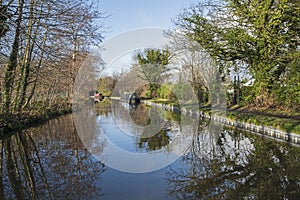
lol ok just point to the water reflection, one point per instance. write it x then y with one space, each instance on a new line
154 142
48 162
140 114
149 126
141 139
51 162
236 165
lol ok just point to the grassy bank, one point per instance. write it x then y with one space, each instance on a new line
279 119
287 124
272 118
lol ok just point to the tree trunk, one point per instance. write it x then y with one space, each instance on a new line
38 69
30 41
12 63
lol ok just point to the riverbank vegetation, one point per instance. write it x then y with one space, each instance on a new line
248 50
257 40
289 125
236 53
42 45
257 58
254 45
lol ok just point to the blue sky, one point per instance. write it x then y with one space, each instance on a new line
126 15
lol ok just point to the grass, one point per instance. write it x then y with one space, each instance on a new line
265 117
285 124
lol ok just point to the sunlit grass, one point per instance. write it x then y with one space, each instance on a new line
287 124
284 124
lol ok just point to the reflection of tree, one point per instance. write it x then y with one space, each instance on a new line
235 166
120 109
140 115
103 107
156 127
171 116
48 162
21 168
73 167
155 142
138 118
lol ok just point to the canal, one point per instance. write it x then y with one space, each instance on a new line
114 151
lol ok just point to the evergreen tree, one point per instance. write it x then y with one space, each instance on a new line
153 67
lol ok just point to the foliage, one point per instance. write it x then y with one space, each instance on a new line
106 85
260 35
182 91
165 92
153 66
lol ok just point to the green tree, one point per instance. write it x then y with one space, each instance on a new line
262 35
153 65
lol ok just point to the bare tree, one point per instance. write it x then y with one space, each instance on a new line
196 66
42 50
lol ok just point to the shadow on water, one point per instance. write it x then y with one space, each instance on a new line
48 162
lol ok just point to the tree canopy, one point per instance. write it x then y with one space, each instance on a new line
153 67
153 64
262 35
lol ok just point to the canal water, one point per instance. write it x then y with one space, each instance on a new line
118 154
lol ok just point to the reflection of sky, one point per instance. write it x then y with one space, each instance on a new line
116 135
147 186
122 151
125 138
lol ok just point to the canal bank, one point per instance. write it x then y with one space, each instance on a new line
269 131
10 124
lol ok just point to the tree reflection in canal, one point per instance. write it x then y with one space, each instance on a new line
150 126
48 162
140 114
236 165
155 142
51 162
153 127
